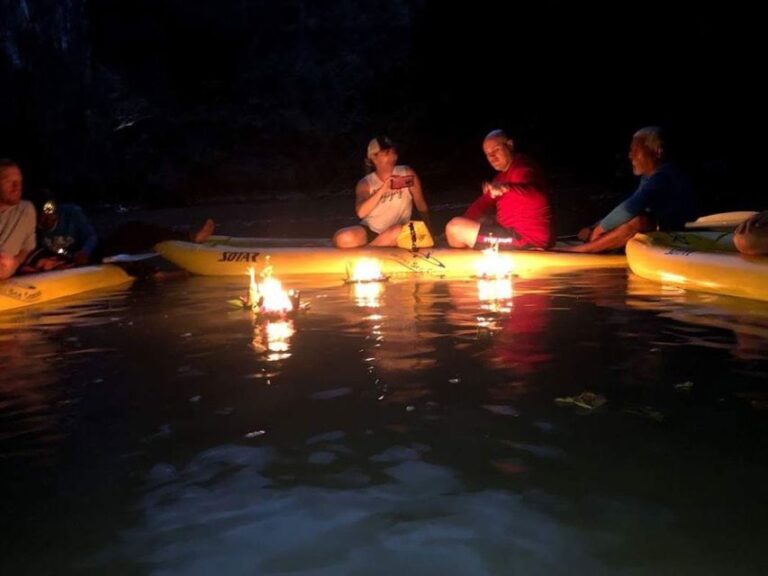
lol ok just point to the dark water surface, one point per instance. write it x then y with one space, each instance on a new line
424 430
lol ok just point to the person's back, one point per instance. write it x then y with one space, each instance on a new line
671 198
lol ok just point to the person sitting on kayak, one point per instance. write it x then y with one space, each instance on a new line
66 237
517 197
751 236
664 199
17 220
384 199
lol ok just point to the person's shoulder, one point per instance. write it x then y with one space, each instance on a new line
525 163
405 170
669 173
26 207
71 208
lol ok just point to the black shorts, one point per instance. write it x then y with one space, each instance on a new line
369 234
508 238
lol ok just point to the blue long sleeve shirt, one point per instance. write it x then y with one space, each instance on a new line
72 233
666 195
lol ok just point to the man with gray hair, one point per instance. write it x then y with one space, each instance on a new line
664 199
17 220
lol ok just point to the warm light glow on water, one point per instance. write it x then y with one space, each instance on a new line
368 295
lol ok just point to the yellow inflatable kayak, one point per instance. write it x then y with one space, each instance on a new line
21 291
703 261
223 256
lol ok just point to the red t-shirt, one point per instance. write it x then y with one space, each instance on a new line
524 209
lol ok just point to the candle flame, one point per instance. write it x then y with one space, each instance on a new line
493 265
268 295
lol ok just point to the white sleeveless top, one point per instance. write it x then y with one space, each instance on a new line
393 208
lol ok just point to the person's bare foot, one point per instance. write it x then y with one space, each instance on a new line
205 232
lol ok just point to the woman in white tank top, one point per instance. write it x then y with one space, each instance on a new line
384 199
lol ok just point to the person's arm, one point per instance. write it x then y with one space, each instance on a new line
640 201
84 230
10 263
480 207
366 201
29 242
417 193
529 181
616 217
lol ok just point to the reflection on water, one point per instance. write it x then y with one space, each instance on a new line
495 294
273 337
406 425
368 294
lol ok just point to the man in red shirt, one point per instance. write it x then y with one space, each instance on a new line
519 197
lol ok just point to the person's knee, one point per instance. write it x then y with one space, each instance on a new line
632 227
7 265
453 229
641 223
347 239
750 244
340 238
5 271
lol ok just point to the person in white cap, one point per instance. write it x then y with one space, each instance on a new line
384 199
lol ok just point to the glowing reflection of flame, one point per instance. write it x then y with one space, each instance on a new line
279 335
496 289
670 277
368 294
366 270
493 265
274 337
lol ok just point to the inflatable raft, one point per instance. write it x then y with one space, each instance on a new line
224 256
702 261
21 291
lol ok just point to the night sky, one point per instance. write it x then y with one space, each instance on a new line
167 101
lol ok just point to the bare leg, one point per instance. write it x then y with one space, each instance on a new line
350 237
204 232
751 237
461 232
614 239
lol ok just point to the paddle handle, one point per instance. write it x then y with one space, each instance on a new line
121 258
726 220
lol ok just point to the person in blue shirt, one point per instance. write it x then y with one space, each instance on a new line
664 199
64 230
66 237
